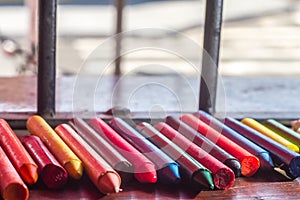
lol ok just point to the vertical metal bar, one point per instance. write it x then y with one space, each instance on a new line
209 74
119 4
46 58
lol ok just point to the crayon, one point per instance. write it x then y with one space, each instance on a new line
250 163
269 133
283 131
11 185
288 158
295 124
105 149
52 173
264 157
17 154
144 169
36 125
205 144
223 176
191 169
167 169
104 177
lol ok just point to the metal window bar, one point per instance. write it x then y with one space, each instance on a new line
47 50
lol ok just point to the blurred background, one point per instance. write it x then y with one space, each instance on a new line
259 54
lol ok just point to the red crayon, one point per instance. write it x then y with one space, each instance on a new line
223 175
52 173
250 163
144 169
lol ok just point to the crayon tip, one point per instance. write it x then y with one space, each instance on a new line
109 183
74 168
224 178
29 173
54 176
146 173
266 161
169 174
204 178
250 165
294 166
16 191
235 166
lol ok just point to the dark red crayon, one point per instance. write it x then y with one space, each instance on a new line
52 173
288 160
205 144
250 163
144 169
167 168
223 176
192 171
266 161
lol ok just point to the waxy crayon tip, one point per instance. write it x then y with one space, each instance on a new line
169 174
54 176
204 178
109 183
74 168
224 178
16 191
146 173
250 165
266 162
235 166
29 173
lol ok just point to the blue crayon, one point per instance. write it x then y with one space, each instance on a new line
266 162
286 159
167 168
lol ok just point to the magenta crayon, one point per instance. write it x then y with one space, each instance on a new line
266 161
144 169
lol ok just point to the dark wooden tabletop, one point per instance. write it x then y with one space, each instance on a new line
264 185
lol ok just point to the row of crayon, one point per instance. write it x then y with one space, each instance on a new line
196 148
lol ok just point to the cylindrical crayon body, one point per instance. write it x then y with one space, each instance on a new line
167 168
287 156
205 144
144 169
250 163
52 173
36 125
17 154
104 148
263 155
96 167
223 176
11 185
192 168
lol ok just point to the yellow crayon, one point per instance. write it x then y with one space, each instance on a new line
269 133
36 125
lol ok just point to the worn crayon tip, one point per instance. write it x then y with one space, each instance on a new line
204 178
29 173
235 166
224 178
109 183
16 191
54 176
250 165
169 174
266 161
74 168
293 147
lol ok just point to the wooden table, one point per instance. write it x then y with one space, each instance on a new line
264 185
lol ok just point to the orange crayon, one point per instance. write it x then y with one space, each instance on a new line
11 185
36 125
105 178
17 154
